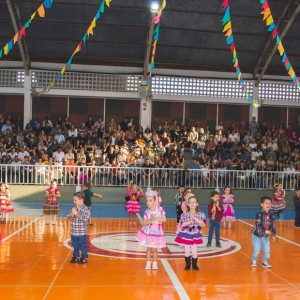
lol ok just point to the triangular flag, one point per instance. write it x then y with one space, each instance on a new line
78 48
63 70
10 45
269 20
32 16
16 36
69 62
229 40
226 17
27 24
266 13
59 77
227 26
275 32
1 51
102 7
280 49
48 3
93 24
98 14
107 2
163 4
52 83
22 32
84 38
90 30
5 49
157 28
225 3
271 27
41 11
284 57
229 32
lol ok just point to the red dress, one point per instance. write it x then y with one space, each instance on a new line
6 206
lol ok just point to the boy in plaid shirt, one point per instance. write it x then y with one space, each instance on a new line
79 217
215 213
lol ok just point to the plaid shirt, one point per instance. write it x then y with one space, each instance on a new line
264 221
79 222
218 214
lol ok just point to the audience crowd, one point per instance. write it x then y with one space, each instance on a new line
192 147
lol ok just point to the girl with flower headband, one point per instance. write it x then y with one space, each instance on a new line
151 235
229 214
190 234
278 202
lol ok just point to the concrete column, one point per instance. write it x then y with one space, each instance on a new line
253 112
145 113
27 116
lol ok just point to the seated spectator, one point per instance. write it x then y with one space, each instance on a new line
187 146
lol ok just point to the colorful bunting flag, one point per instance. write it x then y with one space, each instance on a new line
227 30
268 18
82 43
156 29
21 33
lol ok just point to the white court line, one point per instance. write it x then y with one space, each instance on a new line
19 230
55 277
277 236
174 279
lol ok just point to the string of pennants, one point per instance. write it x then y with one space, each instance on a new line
227 30
268 18
156 29
81 44
22 31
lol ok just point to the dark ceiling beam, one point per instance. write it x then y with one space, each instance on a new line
262 66
16 21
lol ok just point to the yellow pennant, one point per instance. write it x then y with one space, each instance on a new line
163 5
107 2
280 49
93 24
227 26
5 49
32 16
269 20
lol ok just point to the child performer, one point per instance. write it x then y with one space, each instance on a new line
79 217
151 234
88 194
190 235
228 215
264 227
51 206
178 199
157 191
5 205
133 205
278 202
215 213
297 207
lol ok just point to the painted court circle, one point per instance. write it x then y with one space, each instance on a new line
124 245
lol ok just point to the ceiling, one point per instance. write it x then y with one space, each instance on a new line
190 38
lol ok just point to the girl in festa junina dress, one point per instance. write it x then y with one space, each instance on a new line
278 202
229 214
133 205
5 203
151 235
51 206
190 233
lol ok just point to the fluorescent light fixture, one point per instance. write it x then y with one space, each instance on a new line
155 6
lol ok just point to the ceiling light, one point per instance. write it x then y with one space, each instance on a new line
155 6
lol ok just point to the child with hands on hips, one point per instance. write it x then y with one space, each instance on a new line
229 214
190 235
151 234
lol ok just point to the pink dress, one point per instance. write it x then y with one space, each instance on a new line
5 204
133 205
51 206
229 214
152 235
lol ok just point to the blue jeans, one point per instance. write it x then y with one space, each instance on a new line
214 226
79 244
257 245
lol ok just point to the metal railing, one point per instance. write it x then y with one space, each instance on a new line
153 177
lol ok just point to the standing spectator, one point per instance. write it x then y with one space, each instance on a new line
253 127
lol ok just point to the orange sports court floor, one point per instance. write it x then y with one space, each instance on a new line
34 264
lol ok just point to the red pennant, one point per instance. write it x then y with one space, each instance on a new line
22 32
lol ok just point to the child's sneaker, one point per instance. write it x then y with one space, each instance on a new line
218 245
154 266
266 265
208 244
82 261
253 263
148 265
74 260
